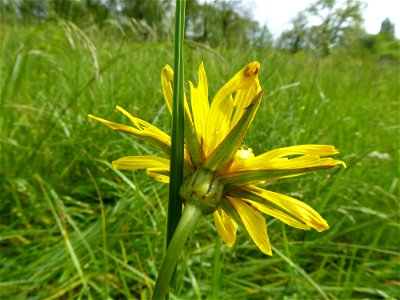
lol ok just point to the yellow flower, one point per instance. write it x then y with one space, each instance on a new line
221 173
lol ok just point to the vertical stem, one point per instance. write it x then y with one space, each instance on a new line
190 216
177 141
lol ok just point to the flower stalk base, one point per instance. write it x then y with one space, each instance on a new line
191 214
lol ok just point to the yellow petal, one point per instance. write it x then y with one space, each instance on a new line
222 156
273 212
220 126
244 79
167 77
299 209
226 227
254 223
244 84
146 127
203 85
191 141
140 162
242 100
199 103
167 83
116 126
321 150
306 161
158 174
277 160
143 130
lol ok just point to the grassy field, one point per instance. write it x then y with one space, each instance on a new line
73 228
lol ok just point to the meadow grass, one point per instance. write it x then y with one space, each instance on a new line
73 228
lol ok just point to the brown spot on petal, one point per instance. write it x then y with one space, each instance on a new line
251 71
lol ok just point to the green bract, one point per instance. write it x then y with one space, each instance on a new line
203 190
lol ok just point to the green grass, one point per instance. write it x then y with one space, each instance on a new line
73 228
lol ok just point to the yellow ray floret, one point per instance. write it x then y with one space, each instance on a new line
299 209
140 162
273 212
246 86
160 174
156 167
226 227
167 84
142 130
199 103
277 159
254 223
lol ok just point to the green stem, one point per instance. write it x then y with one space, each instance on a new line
191 214
177 136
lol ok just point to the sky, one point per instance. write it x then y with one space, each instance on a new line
277 14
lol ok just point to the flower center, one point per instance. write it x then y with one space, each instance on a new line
240 158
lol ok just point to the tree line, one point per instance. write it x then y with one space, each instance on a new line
324 26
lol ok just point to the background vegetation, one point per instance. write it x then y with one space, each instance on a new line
73 228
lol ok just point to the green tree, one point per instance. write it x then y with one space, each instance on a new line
149 11
263 38
387 29
24 10
196 20
337 21
222 23
294 38
323 25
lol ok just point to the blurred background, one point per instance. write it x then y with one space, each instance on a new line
73 228
296 25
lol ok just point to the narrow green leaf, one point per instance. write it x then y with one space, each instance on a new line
217 269
177 137
228 147
62 227
301 271
249 177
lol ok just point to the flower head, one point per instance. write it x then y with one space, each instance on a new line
221 176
